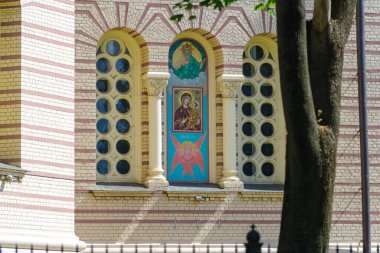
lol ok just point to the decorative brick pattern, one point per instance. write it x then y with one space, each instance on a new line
47 125
37 114
163 218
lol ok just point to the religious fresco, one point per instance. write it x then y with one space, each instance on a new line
187 110
187 105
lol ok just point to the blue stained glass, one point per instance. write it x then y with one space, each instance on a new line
122 147
266 90
103 105
257 53
248 109
102 167
267 109
122 65
123 167
122 105
102 146
122 126
249 149
266 70
99 51
267 129
103 65
248 89
267 149
122 85
267 169
248 70
248 129
113 47
249 169
103 126
102 85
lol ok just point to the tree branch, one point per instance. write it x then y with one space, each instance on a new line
294 73
342 12
321 14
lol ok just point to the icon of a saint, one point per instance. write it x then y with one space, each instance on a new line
187 117
186 66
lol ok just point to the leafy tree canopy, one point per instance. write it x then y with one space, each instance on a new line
188 5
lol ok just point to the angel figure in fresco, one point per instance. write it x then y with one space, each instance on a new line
187 117
188 155
186 66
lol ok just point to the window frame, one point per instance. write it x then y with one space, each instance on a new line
135 117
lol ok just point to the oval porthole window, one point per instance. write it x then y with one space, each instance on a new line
249 169
113 48
102 167
123 167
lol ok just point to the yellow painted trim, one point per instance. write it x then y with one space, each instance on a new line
136 74
269 44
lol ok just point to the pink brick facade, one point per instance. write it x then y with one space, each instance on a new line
37 119
47 100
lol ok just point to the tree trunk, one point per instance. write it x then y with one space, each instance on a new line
311 61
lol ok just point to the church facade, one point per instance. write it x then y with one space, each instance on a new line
120 126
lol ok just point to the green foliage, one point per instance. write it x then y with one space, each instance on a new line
269 5
188 5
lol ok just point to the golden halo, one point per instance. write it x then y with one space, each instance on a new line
185 143
183 92
195 52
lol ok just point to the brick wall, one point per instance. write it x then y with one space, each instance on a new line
138 216
37 115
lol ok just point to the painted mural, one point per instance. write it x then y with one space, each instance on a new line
187 108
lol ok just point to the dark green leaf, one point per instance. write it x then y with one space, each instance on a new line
177 18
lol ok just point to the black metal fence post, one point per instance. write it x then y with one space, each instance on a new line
254 245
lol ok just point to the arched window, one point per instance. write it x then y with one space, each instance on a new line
261 145
118 75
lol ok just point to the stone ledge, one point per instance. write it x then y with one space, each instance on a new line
199 193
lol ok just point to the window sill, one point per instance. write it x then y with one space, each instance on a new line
204 192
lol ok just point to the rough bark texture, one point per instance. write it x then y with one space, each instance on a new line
311 61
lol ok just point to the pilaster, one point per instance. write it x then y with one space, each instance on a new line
155 82
229 86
